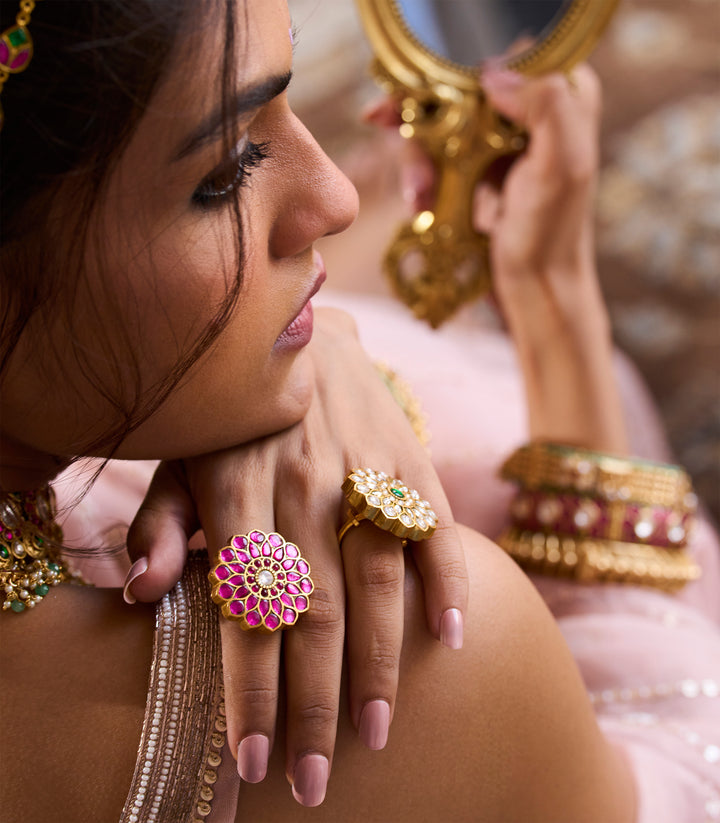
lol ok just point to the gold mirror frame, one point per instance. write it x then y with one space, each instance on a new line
437 261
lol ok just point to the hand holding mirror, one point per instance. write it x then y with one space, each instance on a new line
428 55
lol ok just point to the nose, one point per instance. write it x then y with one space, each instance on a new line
318 198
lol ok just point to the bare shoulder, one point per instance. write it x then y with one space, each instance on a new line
74 679
501 730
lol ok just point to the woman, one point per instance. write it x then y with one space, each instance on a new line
170 357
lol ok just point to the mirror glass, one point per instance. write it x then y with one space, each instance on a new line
471 31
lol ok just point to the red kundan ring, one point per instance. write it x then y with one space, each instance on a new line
262 581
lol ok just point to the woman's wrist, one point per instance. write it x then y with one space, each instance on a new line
562 334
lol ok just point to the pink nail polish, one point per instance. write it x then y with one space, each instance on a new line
311 777
253 758
451 629
138 568
375 724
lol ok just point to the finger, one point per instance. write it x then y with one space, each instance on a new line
313 654
251 668
441 563
486 208
417 172
375 571
417 177
562 118
440 560
251 660
384 112
158 536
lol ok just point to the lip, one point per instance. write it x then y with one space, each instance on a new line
298 331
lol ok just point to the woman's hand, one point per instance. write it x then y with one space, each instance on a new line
290 482
540 222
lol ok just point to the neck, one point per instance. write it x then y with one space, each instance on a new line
23 468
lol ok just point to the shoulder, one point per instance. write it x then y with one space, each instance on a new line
74 677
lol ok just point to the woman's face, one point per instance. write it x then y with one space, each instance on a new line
163 255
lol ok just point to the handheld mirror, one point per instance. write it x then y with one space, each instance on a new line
427 56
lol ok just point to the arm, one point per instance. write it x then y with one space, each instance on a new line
544 272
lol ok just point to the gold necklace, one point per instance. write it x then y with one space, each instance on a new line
30 546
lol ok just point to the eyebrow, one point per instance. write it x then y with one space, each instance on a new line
247 100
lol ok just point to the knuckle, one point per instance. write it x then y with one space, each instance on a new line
380 573
318 715
580 167
382 659
451 571
551 90
326 615
254 698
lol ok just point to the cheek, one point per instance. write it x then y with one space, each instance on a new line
165 296
239 389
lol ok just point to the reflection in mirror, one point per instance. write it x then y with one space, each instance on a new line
471 31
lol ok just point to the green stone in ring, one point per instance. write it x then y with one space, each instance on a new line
397 493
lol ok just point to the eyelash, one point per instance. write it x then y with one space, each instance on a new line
215 189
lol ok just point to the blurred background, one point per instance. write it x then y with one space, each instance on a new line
658 200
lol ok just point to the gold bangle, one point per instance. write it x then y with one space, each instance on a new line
609 477
599 561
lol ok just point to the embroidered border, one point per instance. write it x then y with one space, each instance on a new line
184 726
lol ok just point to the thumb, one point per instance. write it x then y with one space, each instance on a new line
157 541
383 112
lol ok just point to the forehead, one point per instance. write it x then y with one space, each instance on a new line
249 37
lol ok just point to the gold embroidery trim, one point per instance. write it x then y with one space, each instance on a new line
184 727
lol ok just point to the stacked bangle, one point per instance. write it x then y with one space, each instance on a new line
599 517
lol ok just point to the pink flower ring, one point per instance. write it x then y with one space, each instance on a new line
262 581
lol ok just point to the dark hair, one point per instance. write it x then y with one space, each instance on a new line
68 118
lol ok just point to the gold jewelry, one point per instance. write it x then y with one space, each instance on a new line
30 543
387 503
598 517
599 561
262 581
404 397
596 474
16 46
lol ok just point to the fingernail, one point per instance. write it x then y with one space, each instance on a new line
375 724
311 777
451 629
499 79
253 758
138 568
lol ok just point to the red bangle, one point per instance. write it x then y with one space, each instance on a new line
582 516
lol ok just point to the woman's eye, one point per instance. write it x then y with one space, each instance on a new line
218 186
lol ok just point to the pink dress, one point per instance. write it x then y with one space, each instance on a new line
651 661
